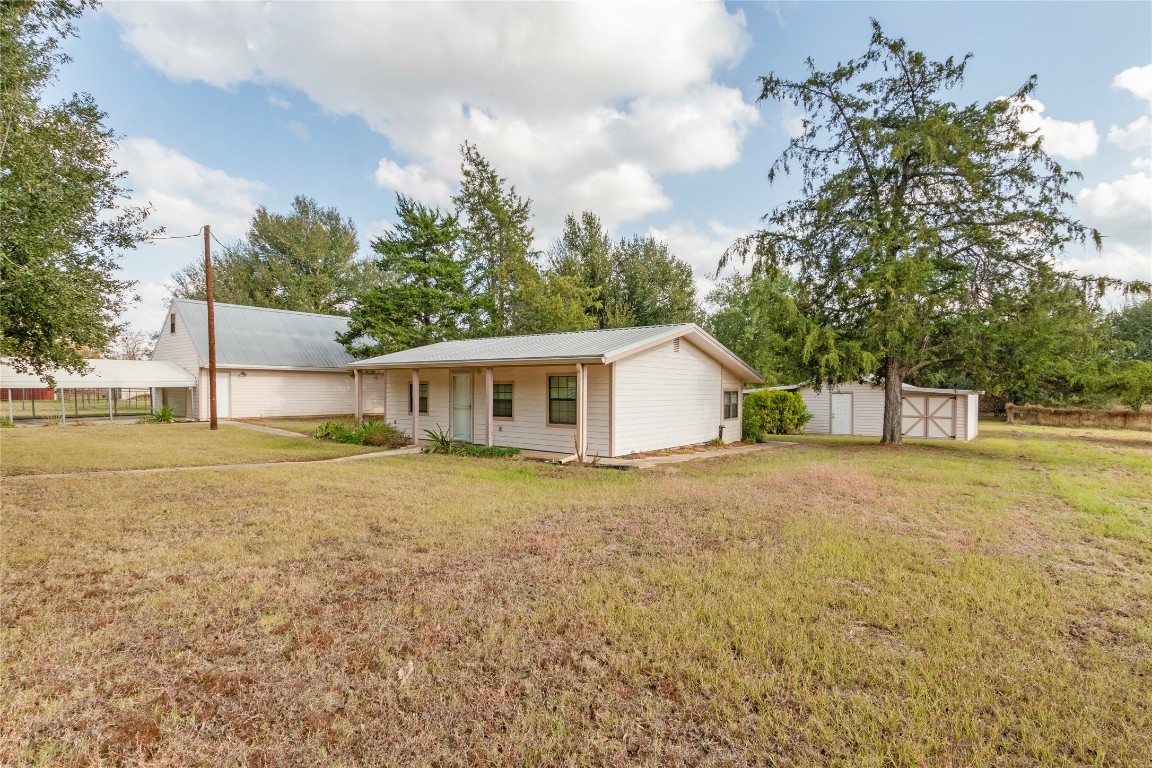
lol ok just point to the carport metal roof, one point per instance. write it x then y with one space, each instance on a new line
105 374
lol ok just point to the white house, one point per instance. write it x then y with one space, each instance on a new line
600 393
856 408
269 362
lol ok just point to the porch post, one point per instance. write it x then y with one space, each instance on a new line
110 405
488 406
581 411
416 406
359 385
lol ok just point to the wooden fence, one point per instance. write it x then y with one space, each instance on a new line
1079 417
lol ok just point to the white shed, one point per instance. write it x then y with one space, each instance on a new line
603 393
269 362
857 408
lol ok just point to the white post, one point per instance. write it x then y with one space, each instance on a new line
359 395
581 412
488 407
109 405
11 413
416 406
63 407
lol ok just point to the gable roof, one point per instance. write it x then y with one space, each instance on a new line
261 337
598 346
869 380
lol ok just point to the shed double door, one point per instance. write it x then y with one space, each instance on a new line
928 416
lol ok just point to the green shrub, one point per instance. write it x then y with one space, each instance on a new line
6 423
368 432
773 412
162 416
439 441
484 451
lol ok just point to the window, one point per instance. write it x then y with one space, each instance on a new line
561 399
731 405
423 397
501 401
172 323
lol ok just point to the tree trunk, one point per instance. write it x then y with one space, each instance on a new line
893 382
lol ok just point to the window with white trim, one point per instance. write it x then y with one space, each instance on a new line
423 397
732 405
501 401
561 399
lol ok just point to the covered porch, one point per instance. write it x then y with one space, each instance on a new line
561 408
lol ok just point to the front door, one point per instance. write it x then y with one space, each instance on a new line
462 407
223 395
841 413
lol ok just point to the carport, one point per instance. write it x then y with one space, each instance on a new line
102 387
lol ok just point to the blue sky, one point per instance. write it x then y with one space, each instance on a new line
643 113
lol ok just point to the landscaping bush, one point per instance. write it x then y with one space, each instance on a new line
162 416
773 412
368 432
439 441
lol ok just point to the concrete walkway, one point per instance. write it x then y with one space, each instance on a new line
158 470
653 461
262 428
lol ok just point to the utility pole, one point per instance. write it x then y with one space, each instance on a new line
211 327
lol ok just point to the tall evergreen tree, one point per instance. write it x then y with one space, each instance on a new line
425 299
584 253
915 213
496 238
62 200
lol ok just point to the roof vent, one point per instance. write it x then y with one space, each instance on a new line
676 345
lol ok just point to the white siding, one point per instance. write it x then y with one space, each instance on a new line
733 427
175 398
973 417
290 393
374 395
178 348
528 428
667 398
868 410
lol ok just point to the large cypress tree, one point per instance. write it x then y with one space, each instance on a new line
916 213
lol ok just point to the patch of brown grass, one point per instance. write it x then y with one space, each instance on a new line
825 605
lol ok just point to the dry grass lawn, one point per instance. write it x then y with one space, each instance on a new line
832 603
92 447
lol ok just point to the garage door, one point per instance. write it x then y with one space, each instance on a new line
928 416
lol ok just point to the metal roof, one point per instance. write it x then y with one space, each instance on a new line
262 337
904 388
105 374
598 346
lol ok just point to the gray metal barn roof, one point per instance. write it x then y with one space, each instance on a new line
257 336
599 346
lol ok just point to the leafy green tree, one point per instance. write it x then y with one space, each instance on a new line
496 238
915 213
424 299
61 197
1044 344
757 318
549 302
584 252
650 286
1132 328
1131 383
304 261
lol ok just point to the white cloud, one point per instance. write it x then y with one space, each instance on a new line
299 130
563 98
148 314
279 101
413 181
184 196
1138 80
1122 211
701 248
1137 135
1073 141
